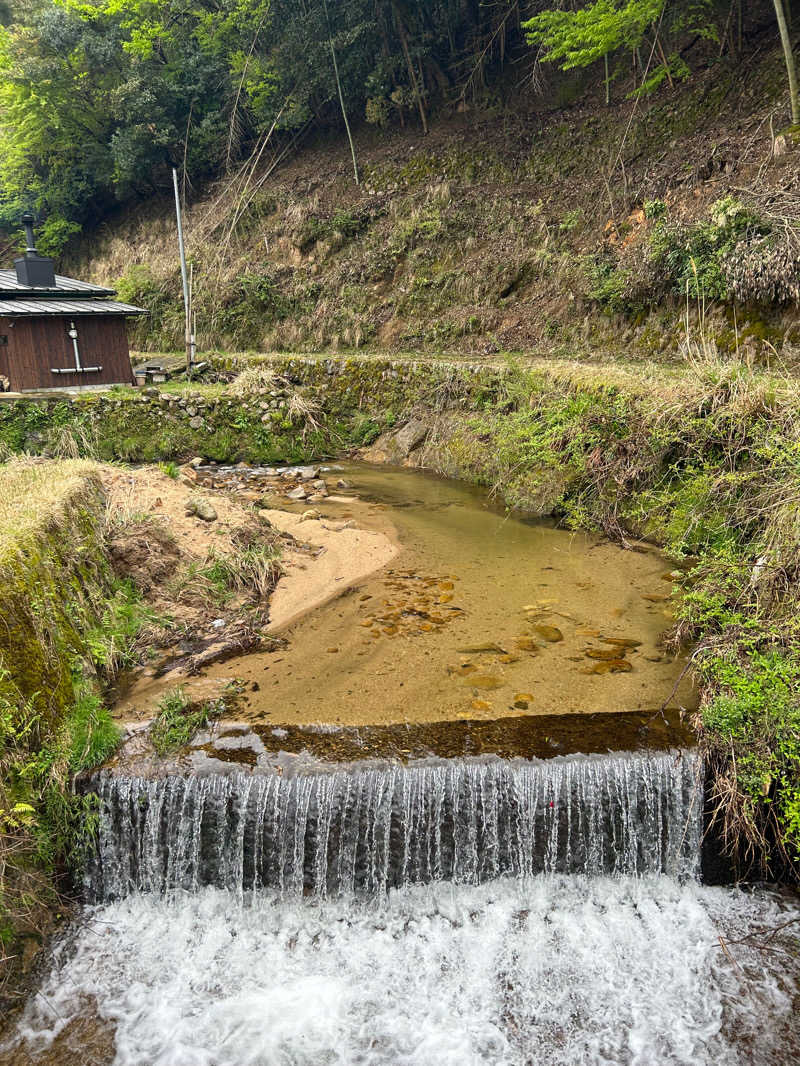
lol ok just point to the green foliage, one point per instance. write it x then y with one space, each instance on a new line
54 234
611 287
571 220
171 469
90 734
756 710
342 227
675 69
691 257
699 261
654 209
110 640
99 98
178 720
578 38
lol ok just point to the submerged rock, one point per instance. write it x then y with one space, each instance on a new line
607 654
526 644
485 681
621 642
614 666
552 634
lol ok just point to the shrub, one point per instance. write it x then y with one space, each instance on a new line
690 258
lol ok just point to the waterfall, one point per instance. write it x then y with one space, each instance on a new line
363 829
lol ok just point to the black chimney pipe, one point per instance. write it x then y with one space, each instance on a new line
34 271
27 222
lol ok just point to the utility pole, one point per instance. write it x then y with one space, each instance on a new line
187 295
788 54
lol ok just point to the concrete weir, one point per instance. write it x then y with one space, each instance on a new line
367 827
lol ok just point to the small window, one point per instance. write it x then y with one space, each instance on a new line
3 339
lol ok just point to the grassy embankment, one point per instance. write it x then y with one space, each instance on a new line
66 626
703 460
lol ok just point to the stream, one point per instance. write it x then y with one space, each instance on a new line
441 829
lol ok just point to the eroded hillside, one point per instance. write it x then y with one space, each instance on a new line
574 230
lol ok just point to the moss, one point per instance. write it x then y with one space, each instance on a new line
66 625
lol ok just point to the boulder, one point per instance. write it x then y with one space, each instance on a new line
397 445
200 507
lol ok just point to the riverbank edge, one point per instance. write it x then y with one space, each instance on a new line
702 461
65 623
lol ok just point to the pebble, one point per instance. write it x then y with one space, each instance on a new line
485 681
552 634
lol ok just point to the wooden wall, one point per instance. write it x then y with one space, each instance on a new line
36 345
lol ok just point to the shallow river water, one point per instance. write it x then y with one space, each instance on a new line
481 614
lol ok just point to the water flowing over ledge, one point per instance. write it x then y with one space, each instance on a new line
365 829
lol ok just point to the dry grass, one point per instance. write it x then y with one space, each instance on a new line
252 380
34 493
304 410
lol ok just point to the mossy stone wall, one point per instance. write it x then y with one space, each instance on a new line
53 580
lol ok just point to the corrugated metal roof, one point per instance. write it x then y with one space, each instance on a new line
17 308
10 285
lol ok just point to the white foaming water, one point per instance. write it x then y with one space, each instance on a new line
548 971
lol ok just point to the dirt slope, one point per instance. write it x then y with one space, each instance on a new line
510 229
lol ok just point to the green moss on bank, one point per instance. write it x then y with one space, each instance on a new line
65 623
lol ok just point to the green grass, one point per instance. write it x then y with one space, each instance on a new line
68 627
90 735
178 719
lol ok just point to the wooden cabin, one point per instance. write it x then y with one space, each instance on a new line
56 332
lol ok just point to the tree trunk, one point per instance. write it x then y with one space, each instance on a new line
401 30
341 94
791 69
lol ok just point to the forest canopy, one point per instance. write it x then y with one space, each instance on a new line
100 98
